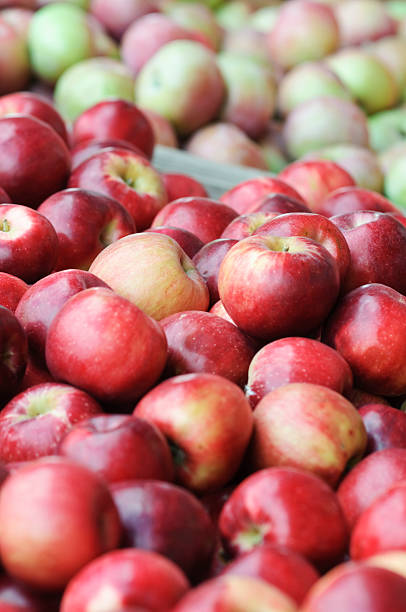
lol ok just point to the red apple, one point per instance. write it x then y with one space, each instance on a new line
182 186
164 132
386 426
33 423
119 447
35 374
104 344
208 422
116 18
56 516
152 271
189 242
248 224
118 119
369 479
247 195
296 360
262 280
4 197
34 160
15 597
307 426
14 60
362 21
126 177
285 506
368 328
14 353
278 202
360 398
204 217
166 519
85 222
208 261
43 300
12 290
28 242
352 199
87 148
124 581
377 244
204 342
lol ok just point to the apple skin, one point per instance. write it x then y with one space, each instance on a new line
33 423
204 217
45 548
188 241
166 519
126 177
353 586
4 197
247 225
203 342
164 132
369 479
85 222
199 18
88 148
352 199
35 105
12 290
152 271
362 21
278 202
377 244
263 278
118 119
285 506
206 408
368 328
381 527
277 565
14 597
119 447
35 161
208 260
121 355
228 593
307 426
126 580
244 196
315 180
116 19
43 300
182 186
360 398
14 354
14 60
316 227
386 427
296 360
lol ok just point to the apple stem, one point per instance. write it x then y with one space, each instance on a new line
178 455
5 226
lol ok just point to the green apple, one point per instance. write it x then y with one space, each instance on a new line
396 8
387 127
388 157
233 15
391 50
395 182
83 4
264 18
196 17
90 82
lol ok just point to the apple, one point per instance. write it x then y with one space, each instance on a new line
204 217
14 597
56 516
12 290
370 479
391 51
394 184
166 519
126 177
359 398
164 133
118 447
247 40
198 18
118 17
316 227
367 78
85 223
208 260
247 225
18 16
34 160
249 194
33 423
307 426
279 203
28 242
268 507
296 360
392 560
90 81
219 310
203 342
44 299
154 273
234 14
188 241
315 180
4 197
183 83
226 143
117 119
35 375
389 156
14 59
377 243
208 423
361 21
182 186
303 32
386 426
262 279
368 328
352 199
105 345
35 105
125 580
14 353
353 586
86 149
308 81
387 128
324 121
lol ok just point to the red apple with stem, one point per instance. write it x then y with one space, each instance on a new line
12 290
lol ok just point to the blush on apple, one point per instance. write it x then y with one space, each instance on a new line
14 354
208 261
12 289
386 426
188 241
248 194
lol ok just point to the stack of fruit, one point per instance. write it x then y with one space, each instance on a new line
201 401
